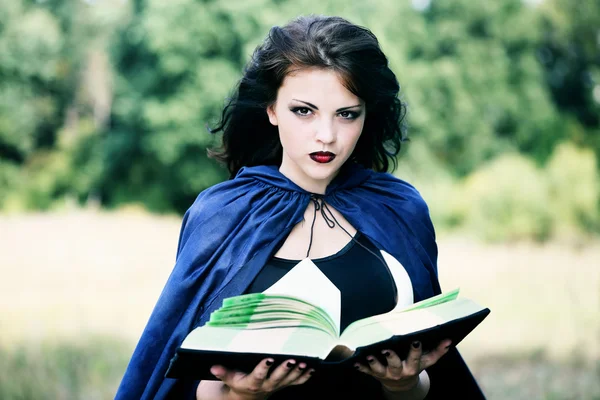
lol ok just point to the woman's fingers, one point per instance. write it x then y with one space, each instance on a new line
290 372
260 372
427 360
377 367
373 367
363 368
298 375
286 371
401 375
306 373
412 364
225 374
218 370
393 361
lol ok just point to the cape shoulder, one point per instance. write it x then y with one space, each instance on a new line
400 194
213 201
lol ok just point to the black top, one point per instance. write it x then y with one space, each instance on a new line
367 288
365 283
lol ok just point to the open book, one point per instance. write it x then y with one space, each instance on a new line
288 321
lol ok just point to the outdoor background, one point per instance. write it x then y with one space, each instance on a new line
103 112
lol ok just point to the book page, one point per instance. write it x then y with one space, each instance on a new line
431 301
293 341
384 326
306 281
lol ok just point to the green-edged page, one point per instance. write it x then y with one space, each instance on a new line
255 311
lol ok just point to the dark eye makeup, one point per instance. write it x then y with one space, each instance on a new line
302 111
305 111
349 114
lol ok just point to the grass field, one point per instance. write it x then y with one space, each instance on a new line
78 287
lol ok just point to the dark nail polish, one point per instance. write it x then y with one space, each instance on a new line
311 372
370 359
301 368
291 364
269 363
386 353
416 345
356 367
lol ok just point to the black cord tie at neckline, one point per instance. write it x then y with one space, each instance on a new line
331 222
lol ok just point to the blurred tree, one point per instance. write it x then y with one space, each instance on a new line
570 53
54 76
31 74
176 62
110 99
474 86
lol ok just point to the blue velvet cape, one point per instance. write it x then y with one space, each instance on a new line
233 228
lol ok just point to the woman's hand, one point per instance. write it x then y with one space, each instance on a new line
403 375
256 385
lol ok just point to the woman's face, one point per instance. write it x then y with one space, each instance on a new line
319 123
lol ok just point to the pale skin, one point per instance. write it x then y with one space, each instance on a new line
315 112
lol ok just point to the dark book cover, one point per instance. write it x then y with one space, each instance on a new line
196 364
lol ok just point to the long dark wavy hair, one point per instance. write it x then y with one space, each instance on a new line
333 43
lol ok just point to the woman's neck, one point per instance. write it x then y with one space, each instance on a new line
310 185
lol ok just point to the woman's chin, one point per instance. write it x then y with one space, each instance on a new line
322 173
313 177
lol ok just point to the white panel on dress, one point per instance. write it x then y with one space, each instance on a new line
403 283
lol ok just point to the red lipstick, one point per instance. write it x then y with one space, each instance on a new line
322 157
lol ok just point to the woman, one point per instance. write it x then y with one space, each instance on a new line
307 139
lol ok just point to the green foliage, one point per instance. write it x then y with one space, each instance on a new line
508 200
574 190
109 101
570 53
30 46
511 199
176 66
9 180
436 183
475 86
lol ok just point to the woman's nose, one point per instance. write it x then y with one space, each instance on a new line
325 132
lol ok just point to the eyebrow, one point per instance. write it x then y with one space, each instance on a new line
316 108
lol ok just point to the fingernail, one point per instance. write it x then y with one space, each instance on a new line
291 364
416 345
386 353
356 367
269 362
312 371
370 359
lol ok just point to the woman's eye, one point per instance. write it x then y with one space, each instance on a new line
348 114
302 111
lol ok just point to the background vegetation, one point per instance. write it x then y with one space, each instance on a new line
108 102
104 105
